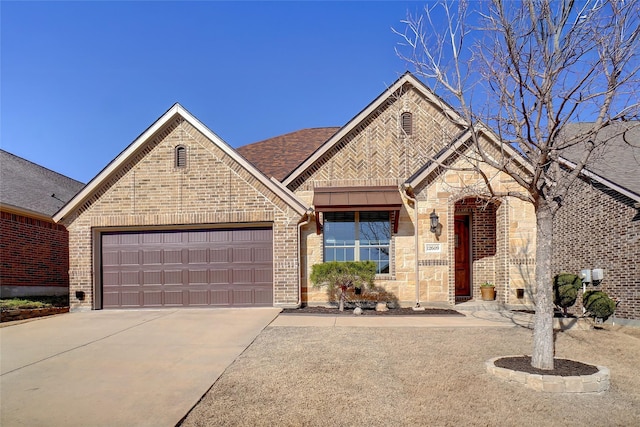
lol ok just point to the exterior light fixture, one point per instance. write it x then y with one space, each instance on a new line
434 221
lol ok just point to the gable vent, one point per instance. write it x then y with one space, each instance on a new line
406 120
181 157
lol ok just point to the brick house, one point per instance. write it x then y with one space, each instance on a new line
34 258
599 226
180 218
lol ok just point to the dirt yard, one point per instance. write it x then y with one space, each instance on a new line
414 376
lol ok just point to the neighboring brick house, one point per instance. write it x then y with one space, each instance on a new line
34 258
599 224
180 218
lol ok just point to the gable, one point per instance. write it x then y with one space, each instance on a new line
373 148
143 179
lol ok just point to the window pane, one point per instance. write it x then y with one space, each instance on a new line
375 228
339 229
379 255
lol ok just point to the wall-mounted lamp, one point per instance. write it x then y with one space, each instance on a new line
434 221
80 295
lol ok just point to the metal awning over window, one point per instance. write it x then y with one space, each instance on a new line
347 199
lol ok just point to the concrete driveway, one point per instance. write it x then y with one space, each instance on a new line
117 368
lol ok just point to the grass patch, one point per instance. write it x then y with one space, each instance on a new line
34 302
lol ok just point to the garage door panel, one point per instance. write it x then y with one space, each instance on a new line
172 256
131 299
263 275
220 297
219 255
129 257
219 276
197 277
152 257
173 297
263 255
129 278
198 297
152 277
190 267
110 258
242 296
198 256
152 298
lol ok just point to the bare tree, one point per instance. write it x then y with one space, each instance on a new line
523 71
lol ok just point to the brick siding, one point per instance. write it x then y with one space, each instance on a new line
150 191
600 228
33 252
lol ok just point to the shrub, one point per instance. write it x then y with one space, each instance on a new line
343 275
565 290
598 304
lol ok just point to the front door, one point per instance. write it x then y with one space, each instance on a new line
463 256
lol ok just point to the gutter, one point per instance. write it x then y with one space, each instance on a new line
408 192
305 220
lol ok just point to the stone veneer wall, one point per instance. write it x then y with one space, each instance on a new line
34 257
514 223
600 228
212 190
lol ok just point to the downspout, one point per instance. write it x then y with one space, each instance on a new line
305 220
408 192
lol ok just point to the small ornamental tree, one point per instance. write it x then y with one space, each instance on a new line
598 304
343 275
565 290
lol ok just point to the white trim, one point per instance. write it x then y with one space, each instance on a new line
601 180
174 111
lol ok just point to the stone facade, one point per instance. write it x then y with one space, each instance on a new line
33 256
608 237
148 191
377 152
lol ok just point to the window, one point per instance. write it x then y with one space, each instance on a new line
358 236
406 120
181 157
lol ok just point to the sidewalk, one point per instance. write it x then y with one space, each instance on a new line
480 318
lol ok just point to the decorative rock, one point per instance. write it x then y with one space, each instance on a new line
357 311
382 306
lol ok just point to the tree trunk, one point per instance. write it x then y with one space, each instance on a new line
543 348
343 290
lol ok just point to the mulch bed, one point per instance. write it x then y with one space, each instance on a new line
562 367
348 311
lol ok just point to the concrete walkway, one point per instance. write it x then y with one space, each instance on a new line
470 319
119 368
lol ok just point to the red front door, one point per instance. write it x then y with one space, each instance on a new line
463 261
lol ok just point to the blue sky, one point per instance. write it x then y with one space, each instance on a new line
81 80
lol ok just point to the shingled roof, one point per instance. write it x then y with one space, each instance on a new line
277 157
29 187
617 159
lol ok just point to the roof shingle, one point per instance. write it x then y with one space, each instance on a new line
29 186
280 155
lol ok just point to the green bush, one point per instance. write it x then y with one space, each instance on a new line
343 275
598 304
565 290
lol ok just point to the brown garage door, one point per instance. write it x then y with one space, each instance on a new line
187 268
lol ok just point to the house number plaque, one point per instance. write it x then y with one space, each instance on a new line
433 248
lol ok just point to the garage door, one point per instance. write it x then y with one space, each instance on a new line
187 268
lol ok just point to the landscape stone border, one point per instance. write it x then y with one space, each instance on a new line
22 314
595 383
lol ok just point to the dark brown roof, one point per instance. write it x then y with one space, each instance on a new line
280 155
